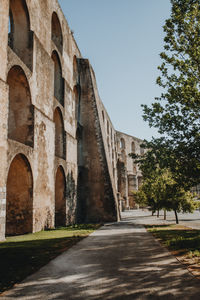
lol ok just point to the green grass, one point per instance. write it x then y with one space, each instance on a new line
178 238
22 255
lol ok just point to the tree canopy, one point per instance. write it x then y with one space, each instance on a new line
176 113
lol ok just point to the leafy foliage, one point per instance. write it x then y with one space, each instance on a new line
176 113
160 191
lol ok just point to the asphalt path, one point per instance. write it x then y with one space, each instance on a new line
119 261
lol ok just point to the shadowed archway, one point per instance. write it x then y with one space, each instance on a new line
60 198
56 32
19 204
21 110
20 36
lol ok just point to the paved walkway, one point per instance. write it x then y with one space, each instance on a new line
187 219
120 261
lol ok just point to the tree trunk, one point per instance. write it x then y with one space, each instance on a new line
158 213
165 214
177 222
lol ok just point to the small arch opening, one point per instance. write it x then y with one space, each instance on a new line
108 128
75 70
141 150
103 117
76 101
60 143
20 37
60 197
133 147
123 156
122 143
58 80
56 32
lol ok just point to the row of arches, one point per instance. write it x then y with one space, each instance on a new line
133 148
21 37
19 204
21 41
21 113
123 145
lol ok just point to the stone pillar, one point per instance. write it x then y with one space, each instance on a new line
2 212
3 155
132 186
4 13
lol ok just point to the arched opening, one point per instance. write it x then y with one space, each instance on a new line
58 80
21 111
75 70
122 144
19 204
107 127
76 100
121 178
141 150
56 32
123 156
103 116
113 168
20 36
10 23
108 143
60 198
133 147
59 134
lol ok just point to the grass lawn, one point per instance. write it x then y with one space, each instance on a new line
182 241
22 255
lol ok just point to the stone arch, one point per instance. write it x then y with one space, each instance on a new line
123 156
56 32
19 204
75 70
20 36
76 100
21 111
59 134
108 143
141 150
103 117
60 197
133 147
58 80
108 129
10 25
122 143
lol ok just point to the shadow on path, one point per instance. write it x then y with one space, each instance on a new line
119 261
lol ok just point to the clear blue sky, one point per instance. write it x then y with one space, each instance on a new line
122 39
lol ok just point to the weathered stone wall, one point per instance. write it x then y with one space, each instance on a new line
31 51
54 126
97 197
130 173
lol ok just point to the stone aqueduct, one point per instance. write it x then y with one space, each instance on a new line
61 160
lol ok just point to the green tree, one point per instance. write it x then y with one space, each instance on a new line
160 191
176 113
